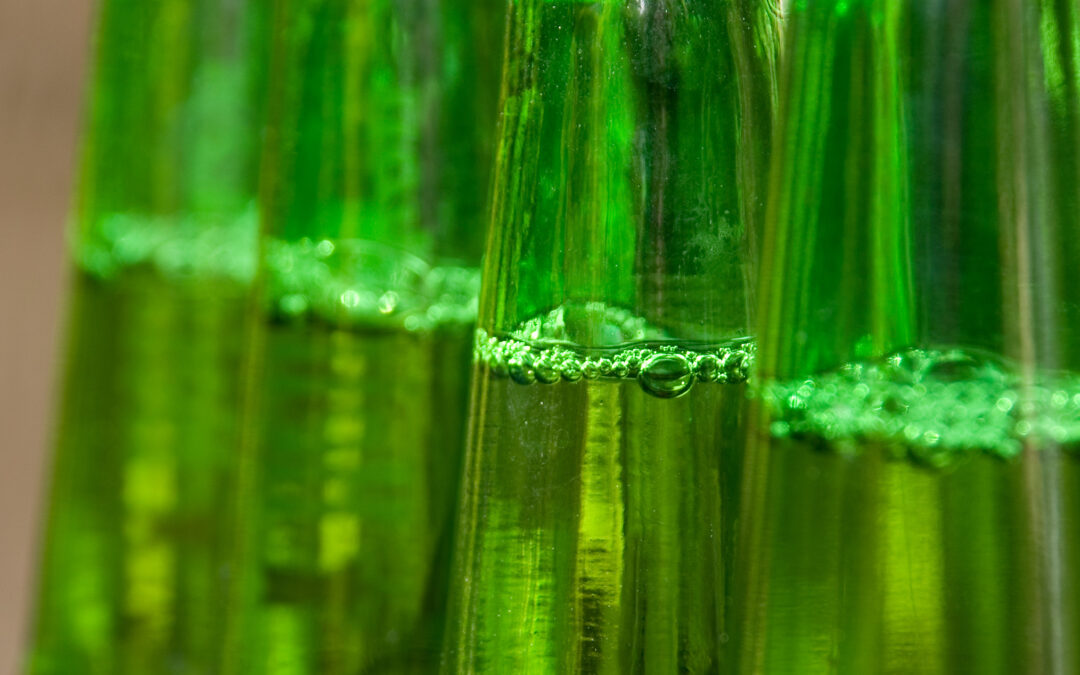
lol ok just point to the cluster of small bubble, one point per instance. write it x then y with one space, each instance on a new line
179 248
358 282
663 370
933 406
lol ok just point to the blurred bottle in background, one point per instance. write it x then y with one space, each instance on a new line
911 486
163 240
595 529
376 168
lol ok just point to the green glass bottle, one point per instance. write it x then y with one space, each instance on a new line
164 246
911 487
375 173
613 338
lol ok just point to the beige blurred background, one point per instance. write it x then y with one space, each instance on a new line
43 54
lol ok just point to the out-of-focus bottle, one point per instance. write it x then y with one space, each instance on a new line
912 490
376 168
163 241
612 348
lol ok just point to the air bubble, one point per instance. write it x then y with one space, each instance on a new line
521 369
619 368
546 370
294 304
389 302
666 375
570 369
735 367
780 429
709 368
590 369
350 298
498 364
1059 398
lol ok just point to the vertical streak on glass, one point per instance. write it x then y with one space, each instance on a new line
600 540
1032 290
1018 139
756 56
359 42
1060 40
150 485
342 536
596 127
656 529
894 316
912 576
846 209
982 564
515 167
466 535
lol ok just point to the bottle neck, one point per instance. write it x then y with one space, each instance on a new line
380 124
628 168
920 186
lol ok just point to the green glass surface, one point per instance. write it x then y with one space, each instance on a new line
376 167
910 480
131 572
595 524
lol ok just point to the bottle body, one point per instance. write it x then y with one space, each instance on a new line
131 576
879 564
376 169
595 521
909 470
133 558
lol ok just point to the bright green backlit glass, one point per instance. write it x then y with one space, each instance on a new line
629 181
376 167
911 484
164 239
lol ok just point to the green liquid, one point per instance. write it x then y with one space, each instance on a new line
915 514
133 566
874 564
338 475
355 427
596 528
356 470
